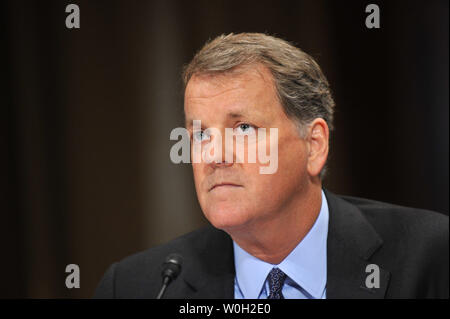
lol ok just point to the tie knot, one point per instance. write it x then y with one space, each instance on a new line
276 279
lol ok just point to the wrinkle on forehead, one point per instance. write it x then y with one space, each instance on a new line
218 84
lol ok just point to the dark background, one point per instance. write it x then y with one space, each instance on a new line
86 116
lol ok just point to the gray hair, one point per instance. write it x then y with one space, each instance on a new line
301 86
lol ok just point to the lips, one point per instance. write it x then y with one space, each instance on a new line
224 184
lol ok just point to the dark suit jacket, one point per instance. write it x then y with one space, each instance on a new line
410 246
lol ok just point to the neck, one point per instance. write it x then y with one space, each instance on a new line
273 240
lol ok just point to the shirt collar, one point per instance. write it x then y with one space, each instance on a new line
306 265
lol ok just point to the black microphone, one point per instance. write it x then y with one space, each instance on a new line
171 270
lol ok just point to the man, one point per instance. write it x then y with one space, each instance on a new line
281 235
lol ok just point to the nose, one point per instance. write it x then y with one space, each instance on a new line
224 157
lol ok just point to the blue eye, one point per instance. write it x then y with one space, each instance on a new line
245 128
200 136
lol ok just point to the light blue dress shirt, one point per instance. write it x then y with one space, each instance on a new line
305 266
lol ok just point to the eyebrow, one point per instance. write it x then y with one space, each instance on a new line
235 115
232 115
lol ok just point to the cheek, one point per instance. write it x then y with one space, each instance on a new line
292 169
271 191
197 170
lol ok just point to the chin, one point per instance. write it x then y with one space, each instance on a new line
226 217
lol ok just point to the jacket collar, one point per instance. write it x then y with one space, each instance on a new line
351 242
210 272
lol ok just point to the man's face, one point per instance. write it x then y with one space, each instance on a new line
236 195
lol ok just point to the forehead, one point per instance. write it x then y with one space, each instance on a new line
242 90
253 79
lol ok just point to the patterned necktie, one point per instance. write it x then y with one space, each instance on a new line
276 280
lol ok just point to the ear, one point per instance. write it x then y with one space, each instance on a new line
318 134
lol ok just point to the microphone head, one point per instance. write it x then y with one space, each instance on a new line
172 266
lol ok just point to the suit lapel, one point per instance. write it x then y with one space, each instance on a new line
210 272
350 244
